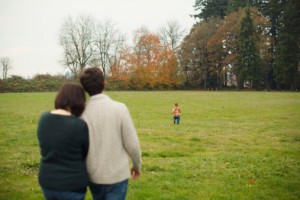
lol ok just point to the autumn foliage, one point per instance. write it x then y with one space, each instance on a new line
147 65
209 54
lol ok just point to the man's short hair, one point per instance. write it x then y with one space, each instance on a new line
92 80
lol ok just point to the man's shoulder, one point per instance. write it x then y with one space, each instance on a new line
120 106
114 102
107 102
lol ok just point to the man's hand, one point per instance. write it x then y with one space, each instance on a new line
135 174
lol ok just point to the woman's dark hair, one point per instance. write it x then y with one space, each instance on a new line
92 80
71 97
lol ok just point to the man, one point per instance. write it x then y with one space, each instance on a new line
112 138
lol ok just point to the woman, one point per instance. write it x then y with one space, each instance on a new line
63 140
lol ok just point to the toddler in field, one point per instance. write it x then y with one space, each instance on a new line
176 111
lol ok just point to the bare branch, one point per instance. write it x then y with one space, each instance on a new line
6 66
108 44
171 34
77 40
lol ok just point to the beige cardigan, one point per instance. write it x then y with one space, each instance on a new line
113 138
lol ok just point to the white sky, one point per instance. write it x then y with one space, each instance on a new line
29 29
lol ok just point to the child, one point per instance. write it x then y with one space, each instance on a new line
176 113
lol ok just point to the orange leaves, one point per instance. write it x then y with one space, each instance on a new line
149 64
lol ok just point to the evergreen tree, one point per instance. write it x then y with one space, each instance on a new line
287 51
248 70
269 53
273 9
234 5
210 8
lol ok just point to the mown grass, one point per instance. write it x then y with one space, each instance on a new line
229 145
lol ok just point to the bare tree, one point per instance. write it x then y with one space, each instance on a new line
108 42
6 66
171 34
77 40
139 34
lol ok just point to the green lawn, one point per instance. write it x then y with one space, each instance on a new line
229 145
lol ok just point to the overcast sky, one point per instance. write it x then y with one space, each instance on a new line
29 29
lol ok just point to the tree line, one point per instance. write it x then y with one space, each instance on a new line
233 44
39 83
150 62
244 44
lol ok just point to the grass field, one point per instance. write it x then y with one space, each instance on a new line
229 145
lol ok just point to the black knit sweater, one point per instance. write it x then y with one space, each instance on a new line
64 145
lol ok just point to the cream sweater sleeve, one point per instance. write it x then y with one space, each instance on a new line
130 140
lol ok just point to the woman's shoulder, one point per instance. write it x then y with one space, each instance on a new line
45 114
78 120
78 124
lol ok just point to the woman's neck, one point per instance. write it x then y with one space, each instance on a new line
61 112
